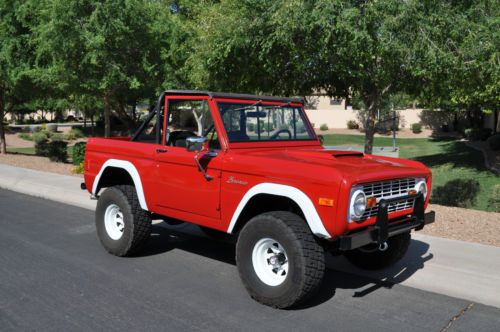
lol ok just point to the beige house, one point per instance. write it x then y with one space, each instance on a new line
335 114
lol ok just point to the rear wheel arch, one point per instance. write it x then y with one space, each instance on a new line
120 172
277 197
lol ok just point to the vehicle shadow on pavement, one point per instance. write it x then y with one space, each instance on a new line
187 237
339 274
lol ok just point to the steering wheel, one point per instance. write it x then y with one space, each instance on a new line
276 134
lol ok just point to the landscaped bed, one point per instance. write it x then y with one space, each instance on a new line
460 177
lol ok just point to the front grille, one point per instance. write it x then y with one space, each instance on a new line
389 189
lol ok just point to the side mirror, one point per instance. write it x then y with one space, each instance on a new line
195 143
321 139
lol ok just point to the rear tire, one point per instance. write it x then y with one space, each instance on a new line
376 260
122 225
279 261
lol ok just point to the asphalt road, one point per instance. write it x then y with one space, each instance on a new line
54 275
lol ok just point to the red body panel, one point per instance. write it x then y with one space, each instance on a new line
174 187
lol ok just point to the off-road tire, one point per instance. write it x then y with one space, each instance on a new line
376 260
306 259
137 222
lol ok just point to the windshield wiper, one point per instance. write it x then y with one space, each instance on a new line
247 107
280 106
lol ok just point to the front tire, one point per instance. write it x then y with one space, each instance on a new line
122 225
377 260
279 261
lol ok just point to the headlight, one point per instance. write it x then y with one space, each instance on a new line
421 187
358 204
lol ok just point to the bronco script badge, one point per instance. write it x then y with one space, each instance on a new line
236 181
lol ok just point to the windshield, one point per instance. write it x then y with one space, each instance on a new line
250 123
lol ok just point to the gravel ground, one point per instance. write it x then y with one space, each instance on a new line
465 225
15 142
38 163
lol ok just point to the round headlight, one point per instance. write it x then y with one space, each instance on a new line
358 204
421 187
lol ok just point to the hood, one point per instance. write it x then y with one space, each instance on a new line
356 167
360 167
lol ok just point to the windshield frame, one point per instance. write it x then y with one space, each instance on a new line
314 141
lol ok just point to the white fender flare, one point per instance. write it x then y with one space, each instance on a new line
132 171
296 195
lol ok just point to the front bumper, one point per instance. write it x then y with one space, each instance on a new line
382 229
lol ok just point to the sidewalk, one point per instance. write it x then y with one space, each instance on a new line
459 269
60 188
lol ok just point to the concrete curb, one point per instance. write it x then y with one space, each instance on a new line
455 268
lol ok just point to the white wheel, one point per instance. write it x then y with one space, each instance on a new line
270 261
113 222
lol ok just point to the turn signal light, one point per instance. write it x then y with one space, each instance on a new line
412 192
371 202
325 201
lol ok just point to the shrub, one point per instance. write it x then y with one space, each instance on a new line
269 127
52 127
74 134
476 134
301 128
79 153
57 137
79 169
323 127
494 201
42 147
458 192
40 136
25 136
494 142
416 128
43 126
58 151
351 124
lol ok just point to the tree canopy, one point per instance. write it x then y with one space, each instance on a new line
110 54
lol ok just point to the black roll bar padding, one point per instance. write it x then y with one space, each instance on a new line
154 112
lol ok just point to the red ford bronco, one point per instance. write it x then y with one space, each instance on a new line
253 167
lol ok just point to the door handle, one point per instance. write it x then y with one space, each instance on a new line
161 150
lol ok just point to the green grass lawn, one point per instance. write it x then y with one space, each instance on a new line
458 171
31 151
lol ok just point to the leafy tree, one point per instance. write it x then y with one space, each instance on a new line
16 58
370 50
102 48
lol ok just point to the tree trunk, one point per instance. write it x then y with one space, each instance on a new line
496 121
371 106
3 144
107 116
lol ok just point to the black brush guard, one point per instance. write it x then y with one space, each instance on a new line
382 229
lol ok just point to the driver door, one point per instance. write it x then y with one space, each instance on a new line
183 190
